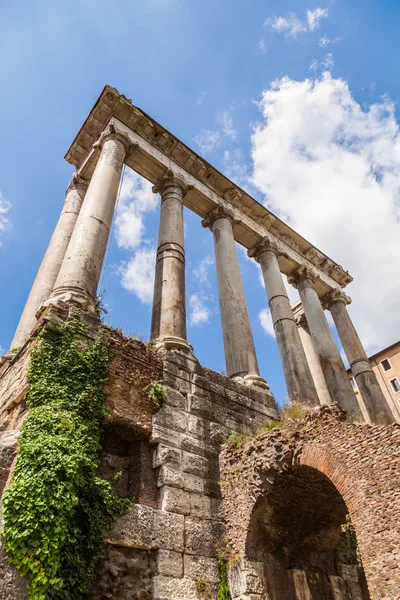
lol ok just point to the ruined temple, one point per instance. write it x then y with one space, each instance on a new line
228 498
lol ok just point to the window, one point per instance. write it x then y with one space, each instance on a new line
353 383
395 385
386 366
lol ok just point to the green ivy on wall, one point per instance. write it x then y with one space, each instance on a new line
57 510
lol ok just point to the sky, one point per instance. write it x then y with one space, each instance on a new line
297 101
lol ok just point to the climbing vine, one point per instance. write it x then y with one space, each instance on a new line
223 585
57 510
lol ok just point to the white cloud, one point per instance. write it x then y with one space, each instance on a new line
325 41
266 322
201 98
261 46
201 271
228 129
206 140
325 64
314 17
332 168
136 198
292 26
2 351
4 208
236 168
199 312
137 275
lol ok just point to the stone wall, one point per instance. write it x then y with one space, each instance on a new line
302 479
176 539
169 465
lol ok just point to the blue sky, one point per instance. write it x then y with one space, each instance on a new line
213 74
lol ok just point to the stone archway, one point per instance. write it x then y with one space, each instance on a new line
286 497
300 542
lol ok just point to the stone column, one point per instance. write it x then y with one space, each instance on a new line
370 390
80 271
240 353
332 365
311 355
51 263
297 373
168 325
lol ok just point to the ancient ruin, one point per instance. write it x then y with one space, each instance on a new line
225 497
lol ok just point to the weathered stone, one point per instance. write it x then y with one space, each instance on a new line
169 563
175 500
168 531
135 529
202 537
201 566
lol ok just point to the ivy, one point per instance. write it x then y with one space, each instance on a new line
223 585
57 510
156 392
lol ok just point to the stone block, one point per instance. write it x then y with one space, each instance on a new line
202 537
201 566
192 483
169 563
166 436
195 446
170 477
198 426
168 588
200 506
174 500
201 407
134 529
168 531
195 464
171 418
176 399
164 455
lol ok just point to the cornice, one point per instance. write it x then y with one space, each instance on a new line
112 104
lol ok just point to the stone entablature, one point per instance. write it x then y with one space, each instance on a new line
158 150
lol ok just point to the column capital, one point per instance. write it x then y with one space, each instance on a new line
172 179
336 295
266 244
220 212
76 182
302 272
112 133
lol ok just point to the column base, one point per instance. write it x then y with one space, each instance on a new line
171 342
253 380
68 296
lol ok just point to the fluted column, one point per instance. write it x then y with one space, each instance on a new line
168 325
240 353
297 373
372 395
51 263
332 365
311 355
80 271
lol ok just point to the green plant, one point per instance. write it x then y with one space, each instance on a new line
201 584
269 426
57 510
156 392
100 305
347 547
237 439
223 585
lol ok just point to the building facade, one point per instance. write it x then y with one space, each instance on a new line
386 366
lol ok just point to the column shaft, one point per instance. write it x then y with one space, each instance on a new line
52 260
313 363
81 267
370 390
297 373
169 305
240 354
332 365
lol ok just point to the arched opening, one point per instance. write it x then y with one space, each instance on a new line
301 541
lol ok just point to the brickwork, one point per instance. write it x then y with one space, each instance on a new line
169 460
362 464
